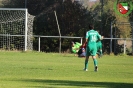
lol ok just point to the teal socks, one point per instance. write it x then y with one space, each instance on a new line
95 62
86 64
100 52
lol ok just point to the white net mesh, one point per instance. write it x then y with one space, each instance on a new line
12 30
11 15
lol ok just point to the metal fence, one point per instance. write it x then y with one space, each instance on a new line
69 39
110 45
119 45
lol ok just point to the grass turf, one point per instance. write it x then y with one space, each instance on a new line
53 70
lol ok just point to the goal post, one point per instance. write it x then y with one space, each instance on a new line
14 29
26 29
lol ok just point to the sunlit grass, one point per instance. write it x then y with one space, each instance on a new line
53 70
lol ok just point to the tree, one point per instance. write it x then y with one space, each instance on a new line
72 17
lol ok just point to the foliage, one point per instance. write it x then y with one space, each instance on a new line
73 19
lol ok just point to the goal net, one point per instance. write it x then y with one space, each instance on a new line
15 29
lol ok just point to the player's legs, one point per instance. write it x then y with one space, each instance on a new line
99 51
94 58
91 51
95 63
87 58
86 63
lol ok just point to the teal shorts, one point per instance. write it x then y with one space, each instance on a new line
91 50
99 47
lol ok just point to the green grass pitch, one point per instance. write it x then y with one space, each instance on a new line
53 70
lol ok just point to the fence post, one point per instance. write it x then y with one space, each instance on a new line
39 44
81 40
111 38
124 46
132 39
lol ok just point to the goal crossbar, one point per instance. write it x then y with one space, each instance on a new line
13 8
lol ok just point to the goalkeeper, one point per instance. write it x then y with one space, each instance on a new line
75 47
82 51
